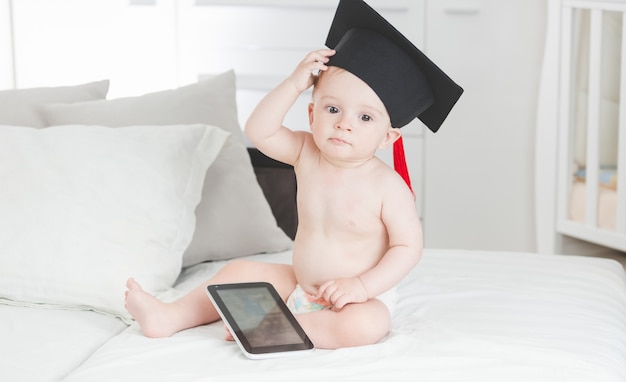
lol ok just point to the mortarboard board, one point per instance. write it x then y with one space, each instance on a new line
408 83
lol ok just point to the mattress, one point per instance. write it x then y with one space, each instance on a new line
461 315
39 344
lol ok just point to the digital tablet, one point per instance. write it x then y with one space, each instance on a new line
259 320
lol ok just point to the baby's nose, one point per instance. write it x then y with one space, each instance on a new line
344 124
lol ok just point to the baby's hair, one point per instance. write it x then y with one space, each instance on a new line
317 76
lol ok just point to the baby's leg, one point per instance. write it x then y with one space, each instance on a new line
354 325
159 319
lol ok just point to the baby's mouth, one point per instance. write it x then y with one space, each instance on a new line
338 141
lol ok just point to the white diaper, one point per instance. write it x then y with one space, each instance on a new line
301 302
389 298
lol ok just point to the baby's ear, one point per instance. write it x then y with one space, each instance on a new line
391 136
310 111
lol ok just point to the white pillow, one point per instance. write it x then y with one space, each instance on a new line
211 102
82 208
234 218
22 107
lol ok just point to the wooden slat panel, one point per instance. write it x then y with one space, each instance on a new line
607 5
621 158
599 236
564 178
593 118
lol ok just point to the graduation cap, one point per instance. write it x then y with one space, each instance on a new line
408 83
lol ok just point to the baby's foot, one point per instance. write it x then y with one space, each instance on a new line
151 314
228 336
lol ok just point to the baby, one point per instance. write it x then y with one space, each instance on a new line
359 232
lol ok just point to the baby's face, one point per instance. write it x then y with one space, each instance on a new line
346 116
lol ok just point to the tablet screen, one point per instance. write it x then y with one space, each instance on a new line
258 318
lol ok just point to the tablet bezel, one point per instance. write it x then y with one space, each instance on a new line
258 352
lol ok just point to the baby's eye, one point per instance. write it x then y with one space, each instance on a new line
332 109
366 118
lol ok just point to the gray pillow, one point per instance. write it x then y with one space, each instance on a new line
234 218
22 107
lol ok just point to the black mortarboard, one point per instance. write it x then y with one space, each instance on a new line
408 83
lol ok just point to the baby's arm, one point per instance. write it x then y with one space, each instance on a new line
265 127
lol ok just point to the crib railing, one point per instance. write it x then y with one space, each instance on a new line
588 230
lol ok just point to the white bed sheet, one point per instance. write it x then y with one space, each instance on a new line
461 316
39 344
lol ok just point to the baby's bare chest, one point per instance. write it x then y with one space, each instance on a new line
347 207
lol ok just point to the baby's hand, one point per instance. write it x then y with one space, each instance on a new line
341 292
303 76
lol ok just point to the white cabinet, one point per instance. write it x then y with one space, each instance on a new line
254 40
479 167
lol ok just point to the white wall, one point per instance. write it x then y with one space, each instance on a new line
6 46
66 42
480 165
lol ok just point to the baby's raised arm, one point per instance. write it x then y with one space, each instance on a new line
265 127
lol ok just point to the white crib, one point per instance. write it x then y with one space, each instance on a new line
581 126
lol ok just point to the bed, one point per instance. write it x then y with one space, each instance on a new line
162 187
581 128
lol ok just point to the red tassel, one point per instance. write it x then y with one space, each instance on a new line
399 162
